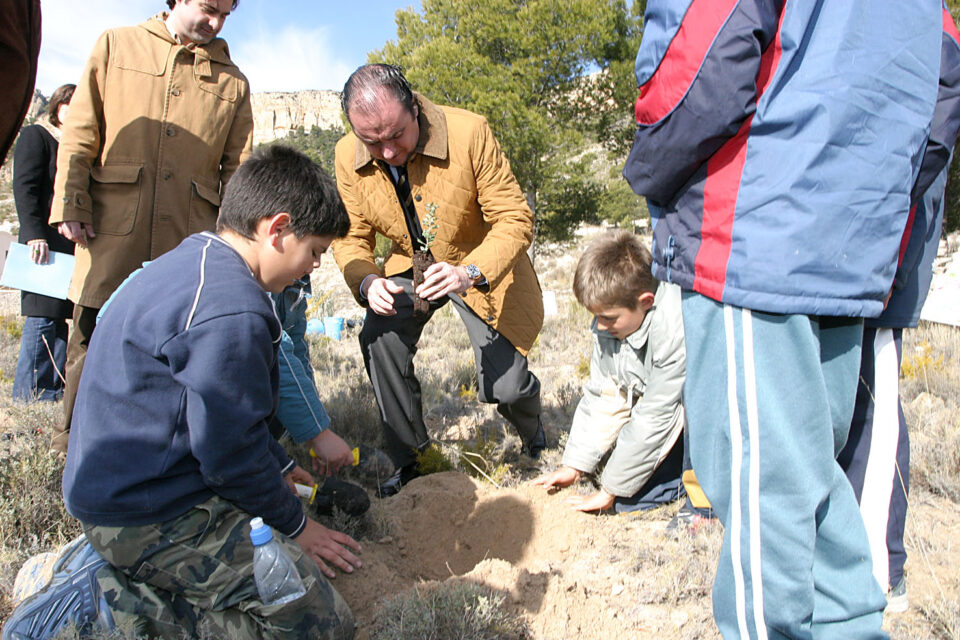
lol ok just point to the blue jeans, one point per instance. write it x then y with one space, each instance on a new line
39 377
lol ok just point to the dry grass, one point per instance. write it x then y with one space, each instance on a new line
464 611
931 399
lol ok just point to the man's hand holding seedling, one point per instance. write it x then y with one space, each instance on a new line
443 278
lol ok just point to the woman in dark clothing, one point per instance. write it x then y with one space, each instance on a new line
44 342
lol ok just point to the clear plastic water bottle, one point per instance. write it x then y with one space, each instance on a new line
278 581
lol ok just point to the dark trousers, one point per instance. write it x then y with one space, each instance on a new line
663 487
84 321
876 457
389 344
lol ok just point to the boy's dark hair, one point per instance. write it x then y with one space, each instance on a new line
279 179
63 95
170 3
614 271
365 87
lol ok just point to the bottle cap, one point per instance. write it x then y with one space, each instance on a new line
259 532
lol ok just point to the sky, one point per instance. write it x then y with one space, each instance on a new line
280 45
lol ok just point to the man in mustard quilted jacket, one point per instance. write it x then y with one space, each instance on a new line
407 165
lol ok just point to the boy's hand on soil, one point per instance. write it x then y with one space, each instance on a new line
600 501
562 477
380 296
298 475
320 544
442 278
332 453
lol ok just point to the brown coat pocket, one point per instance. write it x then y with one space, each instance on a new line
115 192
204 207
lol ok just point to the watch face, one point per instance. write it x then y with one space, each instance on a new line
473 271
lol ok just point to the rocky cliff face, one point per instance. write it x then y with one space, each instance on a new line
276 114
37 105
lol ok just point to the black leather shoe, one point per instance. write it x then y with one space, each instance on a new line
537 445
346 496
392 485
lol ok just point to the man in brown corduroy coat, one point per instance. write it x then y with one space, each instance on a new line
160 120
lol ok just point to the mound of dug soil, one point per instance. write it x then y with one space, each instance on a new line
570 575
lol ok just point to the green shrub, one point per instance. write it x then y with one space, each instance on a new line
433 460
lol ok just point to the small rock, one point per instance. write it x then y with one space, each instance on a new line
401 545
679 618
386 540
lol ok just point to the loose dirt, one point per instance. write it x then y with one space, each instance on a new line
574 575
571 575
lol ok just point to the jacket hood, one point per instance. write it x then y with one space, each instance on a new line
433 134
216 50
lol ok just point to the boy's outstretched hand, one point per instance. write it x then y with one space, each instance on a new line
298 475
332 453
599 501
562 477
320 544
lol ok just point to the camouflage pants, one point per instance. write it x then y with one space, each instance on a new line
193 577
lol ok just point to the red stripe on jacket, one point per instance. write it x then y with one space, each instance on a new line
905 240
722 186
670 82
949 26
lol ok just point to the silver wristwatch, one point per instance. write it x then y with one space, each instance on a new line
473 272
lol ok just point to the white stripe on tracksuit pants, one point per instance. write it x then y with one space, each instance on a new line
876 457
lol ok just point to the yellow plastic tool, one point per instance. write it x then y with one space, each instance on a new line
356 455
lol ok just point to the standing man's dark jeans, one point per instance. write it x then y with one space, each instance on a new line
84 321
389 343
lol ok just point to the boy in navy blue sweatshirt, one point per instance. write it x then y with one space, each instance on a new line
171 455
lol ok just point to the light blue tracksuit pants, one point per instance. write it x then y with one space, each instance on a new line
769 400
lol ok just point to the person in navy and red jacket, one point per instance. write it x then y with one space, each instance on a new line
876 457
777 146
